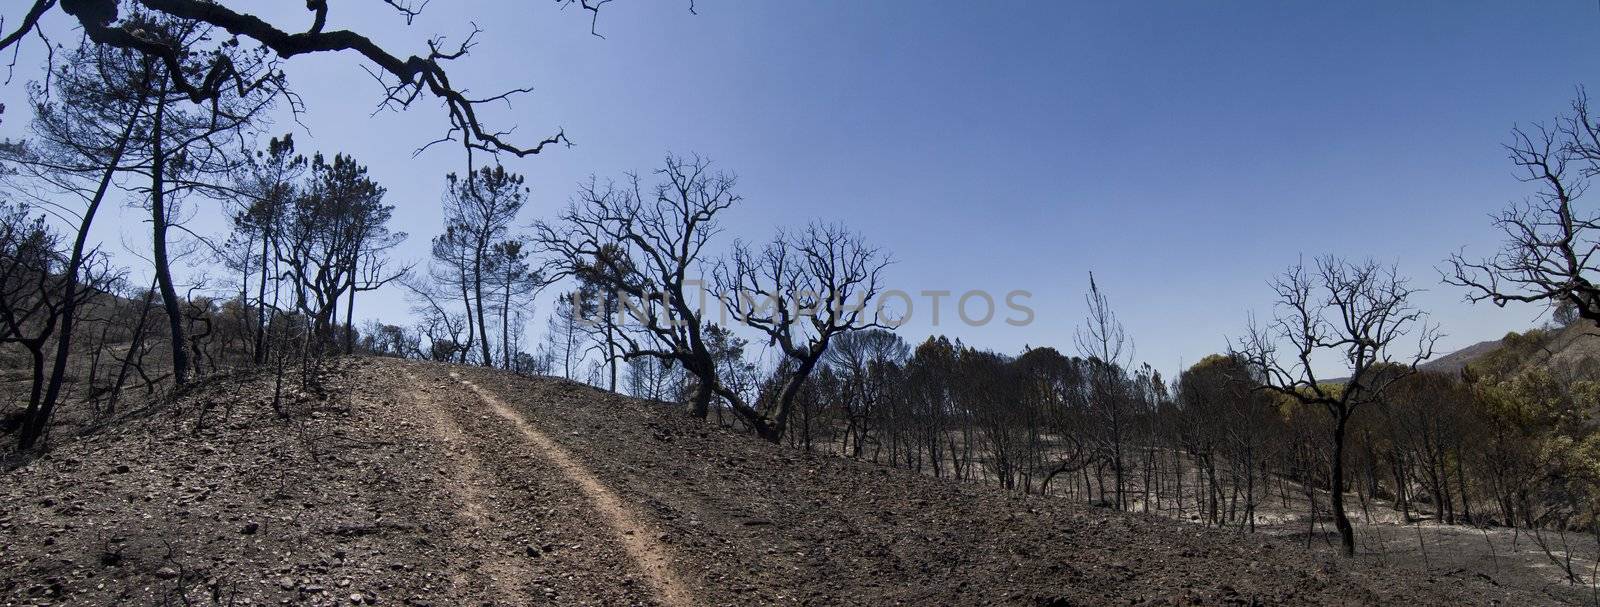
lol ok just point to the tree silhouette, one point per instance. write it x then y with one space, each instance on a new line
1358 313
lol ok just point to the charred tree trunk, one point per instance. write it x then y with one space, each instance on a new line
158 242
260 353
33 427
1347 534
477 293
505 332
350 316
33 422
700 407
466 301
134 349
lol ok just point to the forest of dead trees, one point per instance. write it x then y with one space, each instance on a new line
175 121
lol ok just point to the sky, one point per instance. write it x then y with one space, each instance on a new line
1183 152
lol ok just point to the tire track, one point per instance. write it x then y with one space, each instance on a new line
467 485
637 536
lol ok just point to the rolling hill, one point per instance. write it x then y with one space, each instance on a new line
422 484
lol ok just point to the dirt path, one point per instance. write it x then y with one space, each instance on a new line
530 525
468 485
638 537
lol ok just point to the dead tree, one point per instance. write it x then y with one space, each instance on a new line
82 128
601 308
647 246
1103 341
270 183
441 327
1357 314
184 148
202 74
861 359
1551 241
1056 386
33 292
479 211
517 283
564 335
801 290
132 360
331 242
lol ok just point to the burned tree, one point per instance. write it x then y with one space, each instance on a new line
564 336
479 211
34 292
646 246
802 290
331 242
270 183
184 148
516 283
1551 241
1361 315
1103 341
83 129
1219 421
862 360
436 321
209 70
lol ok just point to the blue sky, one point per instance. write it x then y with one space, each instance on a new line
1184 152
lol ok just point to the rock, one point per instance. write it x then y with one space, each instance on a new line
250 528
166 573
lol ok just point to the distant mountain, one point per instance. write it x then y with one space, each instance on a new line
1573 351
1454 362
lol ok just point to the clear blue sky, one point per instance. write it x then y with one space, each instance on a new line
1183 151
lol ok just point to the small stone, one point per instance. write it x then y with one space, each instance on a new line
166 573
250 528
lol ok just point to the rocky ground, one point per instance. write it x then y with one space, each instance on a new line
420 484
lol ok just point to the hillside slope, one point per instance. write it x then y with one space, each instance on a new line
424 484
1573 351
1454 362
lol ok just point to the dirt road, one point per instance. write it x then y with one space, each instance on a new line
498 459
637 535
